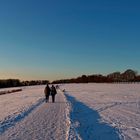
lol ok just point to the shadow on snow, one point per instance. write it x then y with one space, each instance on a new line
86 123
12 120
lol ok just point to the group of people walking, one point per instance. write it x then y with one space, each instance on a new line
50 91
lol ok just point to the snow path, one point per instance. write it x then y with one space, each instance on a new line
86 123
46 122
117 105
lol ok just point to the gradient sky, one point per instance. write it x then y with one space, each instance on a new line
54 39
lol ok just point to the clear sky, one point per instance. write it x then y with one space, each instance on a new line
54 39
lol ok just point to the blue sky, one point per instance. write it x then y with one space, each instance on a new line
54 39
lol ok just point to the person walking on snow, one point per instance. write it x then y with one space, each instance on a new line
47 92
53 93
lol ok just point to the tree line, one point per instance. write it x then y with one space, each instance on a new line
127 76
16 83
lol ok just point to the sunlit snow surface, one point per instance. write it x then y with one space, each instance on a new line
89 112
26 116
16 106
99 109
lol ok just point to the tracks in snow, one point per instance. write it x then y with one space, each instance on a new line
47 121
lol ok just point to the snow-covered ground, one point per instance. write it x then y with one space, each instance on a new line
25 116
85 111
17 105
104 111
9 89
2 92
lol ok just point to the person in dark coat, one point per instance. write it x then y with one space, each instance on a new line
53 93
47 92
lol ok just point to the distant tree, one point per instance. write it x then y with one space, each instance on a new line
137 78
128 76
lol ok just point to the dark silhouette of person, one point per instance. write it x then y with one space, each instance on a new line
53 93
47 92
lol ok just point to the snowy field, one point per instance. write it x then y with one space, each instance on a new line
17 105
25 115
82 112
105 111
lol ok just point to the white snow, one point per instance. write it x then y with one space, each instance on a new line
9 90
16 104
84 112
105 111
25 115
